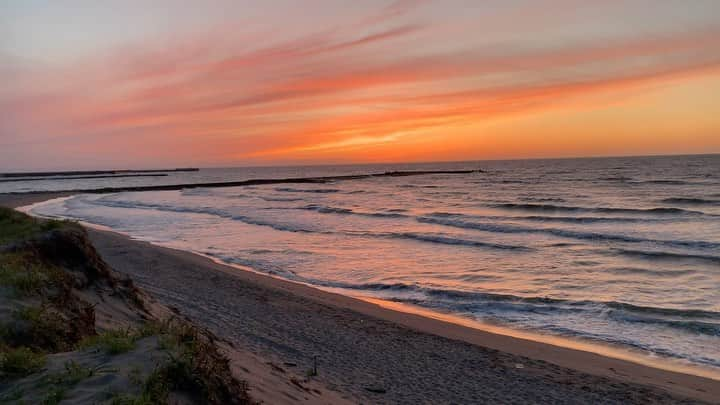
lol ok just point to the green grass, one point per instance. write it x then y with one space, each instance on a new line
60 383
174 375
155 389
112 342
20 362
33 315
22 274
15 225
151 328
193 367
38 328
196 367
25 274
126 399
135 376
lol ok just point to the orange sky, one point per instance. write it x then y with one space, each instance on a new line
388 81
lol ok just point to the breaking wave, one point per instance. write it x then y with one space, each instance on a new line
609 210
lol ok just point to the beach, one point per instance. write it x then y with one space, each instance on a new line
375 202
370 354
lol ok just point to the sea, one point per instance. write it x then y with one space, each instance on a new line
621 252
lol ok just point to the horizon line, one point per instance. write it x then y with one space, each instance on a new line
201 167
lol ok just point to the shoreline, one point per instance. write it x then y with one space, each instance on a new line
496 331
356 310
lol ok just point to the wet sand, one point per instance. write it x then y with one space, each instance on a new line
367 353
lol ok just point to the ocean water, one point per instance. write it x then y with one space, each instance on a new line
619 251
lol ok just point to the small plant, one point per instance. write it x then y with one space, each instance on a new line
198 369
54 395
18 272
77 372
135 376
61 382
125 399
113 341
39 328
194 367
73 374
20 362
151 328
157 386
155 389
30 314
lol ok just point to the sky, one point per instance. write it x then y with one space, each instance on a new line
127 84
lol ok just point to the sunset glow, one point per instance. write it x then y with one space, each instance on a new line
325 82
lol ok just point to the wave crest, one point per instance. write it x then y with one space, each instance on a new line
569 208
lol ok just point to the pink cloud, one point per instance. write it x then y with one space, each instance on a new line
333 87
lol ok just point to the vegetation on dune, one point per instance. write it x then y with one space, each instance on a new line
43 265
58 384
22 267
19 362
39 328
199 368
59 321
24 275
15 225
112 341
194 368
46 316
73 374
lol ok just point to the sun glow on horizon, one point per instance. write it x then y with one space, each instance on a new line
383 81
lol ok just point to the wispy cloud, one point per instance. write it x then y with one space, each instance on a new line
331 89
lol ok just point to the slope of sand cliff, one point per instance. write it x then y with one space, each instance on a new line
73 331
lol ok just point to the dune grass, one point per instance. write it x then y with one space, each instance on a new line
40 328
48 317
193 367
112 341
19 362
22 274
21 270
59 384
74 373
15 225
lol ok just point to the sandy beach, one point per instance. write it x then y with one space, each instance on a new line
370 354
372 202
